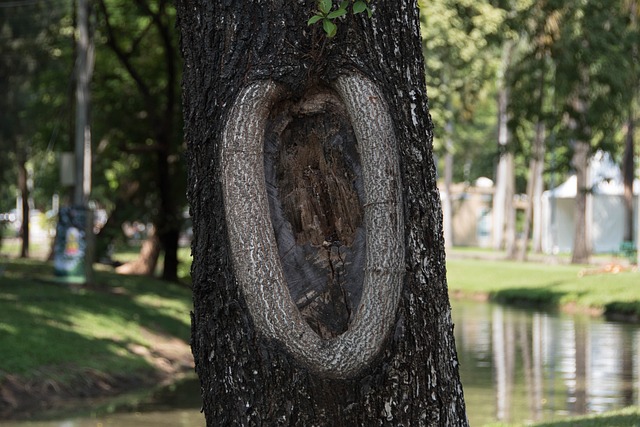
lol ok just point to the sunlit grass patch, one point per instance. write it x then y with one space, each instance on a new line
45 324
627 417
545 285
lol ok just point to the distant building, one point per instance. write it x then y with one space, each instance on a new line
605 210
471 213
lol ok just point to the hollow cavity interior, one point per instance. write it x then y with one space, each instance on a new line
315 189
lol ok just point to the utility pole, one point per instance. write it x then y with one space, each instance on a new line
84 70
73 247
82 191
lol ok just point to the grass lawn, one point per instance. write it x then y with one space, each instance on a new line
552 286
44 324
61 334
628 417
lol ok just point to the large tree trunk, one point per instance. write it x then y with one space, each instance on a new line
320 300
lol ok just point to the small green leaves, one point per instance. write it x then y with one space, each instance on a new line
329 27
360 6
337 14
328 16
324 6
314 19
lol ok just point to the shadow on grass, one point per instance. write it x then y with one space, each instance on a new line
43 324
623 311
623 420
544 297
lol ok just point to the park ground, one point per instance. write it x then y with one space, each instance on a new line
65 346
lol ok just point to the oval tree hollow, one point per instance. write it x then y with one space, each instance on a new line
316 196
262 157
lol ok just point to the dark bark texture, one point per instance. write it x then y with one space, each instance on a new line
247 377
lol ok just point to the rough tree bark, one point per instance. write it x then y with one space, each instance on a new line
320 295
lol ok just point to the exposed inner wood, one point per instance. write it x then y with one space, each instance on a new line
317 170
316 186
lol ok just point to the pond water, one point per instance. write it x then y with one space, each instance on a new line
522 365
516 365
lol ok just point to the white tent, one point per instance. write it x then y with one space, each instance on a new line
605 210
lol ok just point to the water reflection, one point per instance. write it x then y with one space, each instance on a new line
519 365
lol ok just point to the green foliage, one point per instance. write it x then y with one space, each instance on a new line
566 55
328 17
574 70
35 74
461 43
139 173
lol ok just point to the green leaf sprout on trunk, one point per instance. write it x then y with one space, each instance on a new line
328 16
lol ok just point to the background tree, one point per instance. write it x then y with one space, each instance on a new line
32 37
503 212
145 76
250 372
592 64
459 66
531 87
503 209
630 7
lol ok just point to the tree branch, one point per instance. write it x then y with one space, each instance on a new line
123 56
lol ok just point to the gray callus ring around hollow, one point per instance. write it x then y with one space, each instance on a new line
253 243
